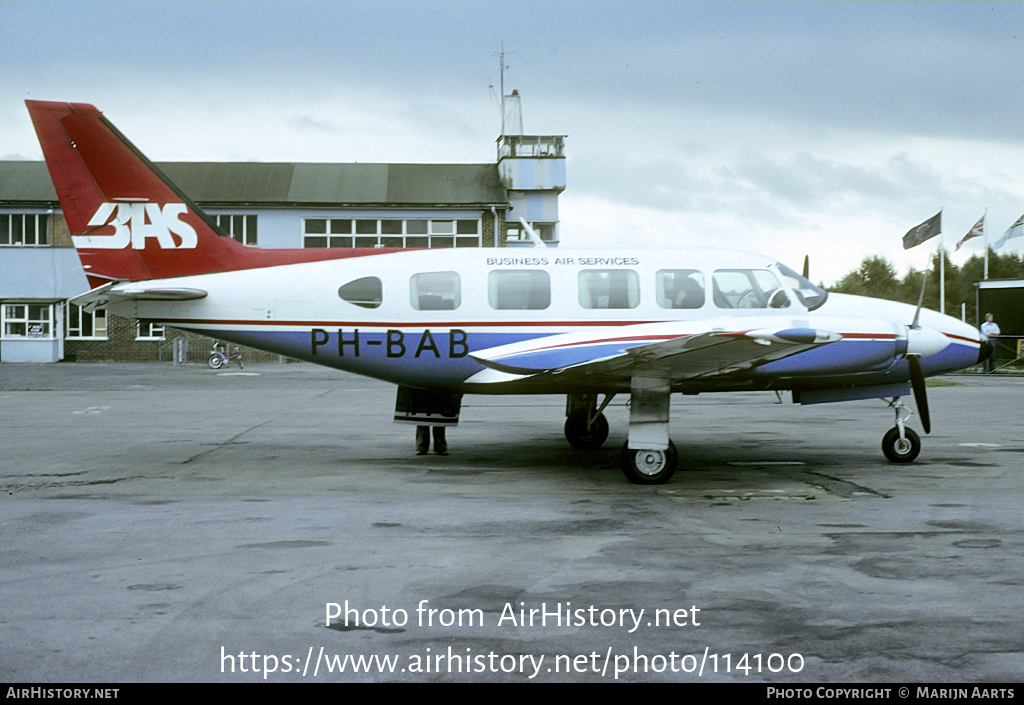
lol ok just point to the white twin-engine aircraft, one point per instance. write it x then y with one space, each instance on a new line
589 324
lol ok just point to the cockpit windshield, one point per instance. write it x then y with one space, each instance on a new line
810 295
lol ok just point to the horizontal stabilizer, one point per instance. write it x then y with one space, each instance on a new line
162 294
117 292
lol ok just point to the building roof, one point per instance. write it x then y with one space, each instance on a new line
26 183
293 184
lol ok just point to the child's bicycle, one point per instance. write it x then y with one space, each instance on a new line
220 357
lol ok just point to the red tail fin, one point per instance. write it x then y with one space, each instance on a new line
127 220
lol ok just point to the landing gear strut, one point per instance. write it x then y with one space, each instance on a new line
649 457
900 443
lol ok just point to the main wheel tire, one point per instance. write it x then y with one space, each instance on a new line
215 361
649 467
577 434
899 450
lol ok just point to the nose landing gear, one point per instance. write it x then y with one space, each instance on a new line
900 443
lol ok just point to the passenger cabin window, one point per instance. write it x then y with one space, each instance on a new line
519 289
680 288
748 288
366 292
609 288
435 291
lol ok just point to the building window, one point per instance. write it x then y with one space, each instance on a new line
24 230
22 321
240 227
515 232
390 232
147 330
86 325
467 233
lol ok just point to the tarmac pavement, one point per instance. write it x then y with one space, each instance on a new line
180 524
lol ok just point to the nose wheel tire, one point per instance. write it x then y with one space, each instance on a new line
649 467
215 361
901 450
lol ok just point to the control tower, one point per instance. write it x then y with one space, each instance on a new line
532 170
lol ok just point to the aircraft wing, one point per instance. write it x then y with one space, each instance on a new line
116 292
668 350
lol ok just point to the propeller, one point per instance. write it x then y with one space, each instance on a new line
920 397
922 342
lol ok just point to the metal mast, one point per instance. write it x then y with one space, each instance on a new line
503 67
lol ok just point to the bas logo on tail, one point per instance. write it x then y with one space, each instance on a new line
134 221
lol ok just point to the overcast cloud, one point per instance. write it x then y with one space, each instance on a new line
786 128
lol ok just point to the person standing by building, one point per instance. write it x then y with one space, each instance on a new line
989 329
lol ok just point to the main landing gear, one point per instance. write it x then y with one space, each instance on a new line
586 428
648 457
901 444
649 467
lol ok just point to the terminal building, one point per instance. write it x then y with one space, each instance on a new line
271 205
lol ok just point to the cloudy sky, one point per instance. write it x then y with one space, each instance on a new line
787 128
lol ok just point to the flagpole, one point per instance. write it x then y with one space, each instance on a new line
942 273
942 268
986 245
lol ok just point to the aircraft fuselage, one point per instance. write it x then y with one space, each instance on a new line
416 318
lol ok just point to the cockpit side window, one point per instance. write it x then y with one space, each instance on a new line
366 292
435 291
680 288
748 288
810 295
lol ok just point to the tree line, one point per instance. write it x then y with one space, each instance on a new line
877 277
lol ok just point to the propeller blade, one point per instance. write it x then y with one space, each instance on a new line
920 396
920 301
807 267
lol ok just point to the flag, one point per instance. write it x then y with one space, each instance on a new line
977 231
1015 230
925 231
